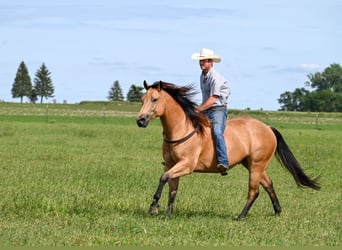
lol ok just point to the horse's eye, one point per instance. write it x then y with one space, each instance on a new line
154 99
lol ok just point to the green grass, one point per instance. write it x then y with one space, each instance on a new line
81 179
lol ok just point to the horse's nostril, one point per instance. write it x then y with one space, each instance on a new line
142 121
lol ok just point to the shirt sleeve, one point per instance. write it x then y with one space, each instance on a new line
220 87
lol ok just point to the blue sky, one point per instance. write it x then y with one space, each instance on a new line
267 47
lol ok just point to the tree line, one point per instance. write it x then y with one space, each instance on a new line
322 91
134 93
324 95
42 87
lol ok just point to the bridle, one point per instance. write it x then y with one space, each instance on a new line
185 138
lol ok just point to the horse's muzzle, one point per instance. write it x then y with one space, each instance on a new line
143 120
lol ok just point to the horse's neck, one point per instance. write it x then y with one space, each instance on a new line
174 121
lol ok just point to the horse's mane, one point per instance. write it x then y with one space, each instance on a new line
183 95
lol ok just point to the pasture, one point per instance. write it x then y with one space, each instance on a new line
84 175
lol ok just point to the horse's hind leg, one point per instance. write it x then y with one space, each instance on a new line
253 193
267 184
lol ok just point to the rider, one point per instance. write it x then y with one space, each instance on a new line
215 91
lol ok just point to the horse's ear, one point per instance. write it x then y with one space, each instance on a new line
145 85
159 85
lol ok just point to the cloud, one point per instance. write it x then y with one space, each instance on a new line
269 48
269 67
110 65
73 13
310 66
290 69
176 12
124 66
149 69
296 69
48 22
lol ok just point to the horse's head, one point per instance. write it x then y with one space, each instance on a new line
151 107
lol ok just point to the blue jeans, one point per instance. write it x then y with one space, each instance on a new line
218 117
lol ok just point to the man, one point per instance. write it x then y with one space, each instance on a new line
215 92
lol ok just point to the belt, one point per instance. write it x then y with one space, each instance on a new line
218 107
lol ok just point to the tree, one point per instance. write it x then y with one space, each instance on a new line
331 78
22 85
324 101
134 94
285 101
333 75
115 92
326 95
33 97
43 86
293 101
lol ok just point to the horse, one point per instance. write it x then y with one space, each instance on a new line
188 145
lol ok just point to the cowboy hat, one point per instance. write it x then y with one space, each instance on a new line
206 54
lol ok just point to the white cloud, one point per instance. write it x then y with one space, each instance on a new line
310 66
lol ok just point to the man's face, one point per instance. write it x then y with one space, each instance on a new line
206 64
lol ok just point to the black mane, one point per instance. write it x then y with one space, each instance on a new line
182 95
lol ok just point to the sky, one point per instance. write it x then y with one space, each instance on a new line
267 47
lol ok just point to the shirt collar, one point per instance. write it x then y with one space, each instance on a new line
209 72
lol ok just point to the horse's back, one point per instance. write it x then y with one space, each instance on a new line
249 124
247 137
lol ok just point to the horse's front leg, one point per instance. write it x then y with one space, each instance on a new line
154 207
173 187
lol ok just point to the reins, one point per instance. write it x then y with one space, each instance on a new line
185 138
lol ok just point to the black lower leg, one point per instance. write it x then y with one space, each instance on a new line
154 207
248 205
274 199
172 198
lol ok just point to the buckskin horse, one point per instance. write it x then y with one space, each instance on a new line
188 145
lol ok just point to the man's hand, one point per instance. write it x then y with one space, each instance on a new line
208 104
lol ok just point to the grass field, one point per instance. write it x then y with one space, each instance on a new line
84 175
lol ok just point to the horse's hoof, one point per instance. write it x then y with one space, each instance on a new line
153 210
169 214
240 218
277 211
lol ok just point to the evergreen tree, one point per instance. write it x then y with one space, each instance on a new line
135 93
43 86
33 97
22 85
115 92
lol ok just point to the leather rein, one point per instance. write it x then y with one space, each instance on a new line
185 138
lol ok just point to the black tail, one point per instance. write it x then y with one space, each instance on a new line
288 161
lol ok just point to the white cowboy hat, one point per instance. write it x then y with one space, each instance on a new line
206 54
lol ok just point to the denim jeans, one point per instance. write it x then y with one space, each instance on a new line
218 117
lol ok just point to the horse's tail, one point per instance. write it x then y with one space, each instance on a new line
288 161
